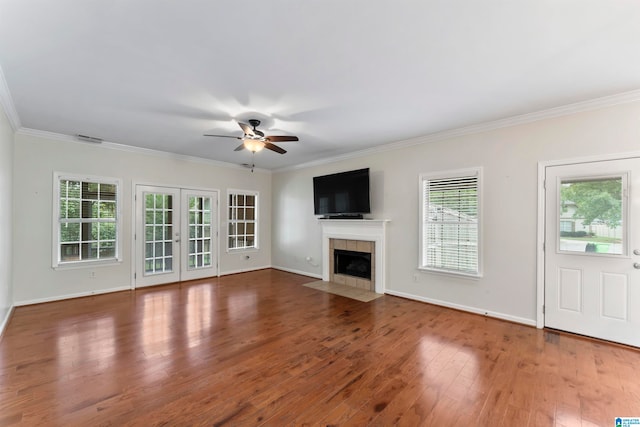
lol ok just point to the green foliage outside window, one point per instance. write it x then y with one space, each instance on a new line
597 200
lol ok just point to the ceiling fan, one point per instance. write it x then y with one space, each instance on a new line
255 140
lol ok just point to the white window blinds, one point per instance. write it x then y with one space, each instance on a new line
450 218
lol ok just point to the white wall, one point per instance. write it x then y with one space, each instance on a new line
509 157
37 157
6 210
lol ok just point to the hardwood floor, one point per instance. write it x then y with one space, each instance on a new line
260 349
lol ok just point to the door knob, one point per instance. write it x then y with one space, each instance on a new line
636 265
636 251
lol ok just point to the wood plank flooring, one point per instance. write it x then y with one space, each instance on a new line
260 349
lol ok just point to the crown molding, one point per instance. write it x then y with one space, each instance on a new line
131 149
564 110
7 103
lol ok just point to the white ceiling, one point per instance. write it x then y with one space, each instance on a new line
342 75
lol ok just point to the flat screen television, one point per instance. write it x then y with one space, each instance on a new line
342 195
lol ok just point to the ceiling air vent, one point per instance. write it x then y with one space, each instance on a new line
92 139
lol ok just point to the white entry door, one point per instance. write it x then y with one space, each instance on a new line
176 235
592 249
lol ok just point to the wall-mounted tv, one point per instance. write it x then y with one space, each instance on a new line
342 195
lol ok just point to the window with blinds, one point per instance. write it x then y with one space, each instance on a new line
450 213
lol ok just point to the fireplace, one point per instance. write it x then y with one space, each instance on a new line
352 263
358 235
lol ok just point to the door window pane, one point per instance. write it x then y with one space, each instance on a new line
591 216
199 248
158 211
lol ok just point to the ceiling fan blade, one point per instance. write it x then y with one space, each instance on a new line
240 147
273 138
272 147
224 136
246 129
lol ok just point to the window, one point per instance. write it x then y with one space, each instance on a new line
87 219
450 218
243 215
596 208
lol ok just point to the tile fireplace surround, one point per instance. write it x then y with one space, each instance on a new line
373 230
352 246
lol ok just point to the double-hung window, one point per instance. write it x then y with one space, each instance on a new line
243 220
450 222
86 219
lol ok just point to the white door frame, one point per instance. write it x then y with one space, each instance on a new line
540 258
134 185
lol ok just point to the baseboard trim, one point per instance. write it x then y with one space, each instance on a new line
243 270
474 310
70 296
300 272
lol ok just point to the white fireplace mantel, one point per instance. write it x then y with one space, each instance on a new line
373 230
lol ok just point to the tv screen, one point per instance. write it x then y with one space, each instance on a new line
342 194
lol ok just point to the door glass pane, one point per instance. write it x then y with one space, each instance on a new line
591 216
158 256
199 248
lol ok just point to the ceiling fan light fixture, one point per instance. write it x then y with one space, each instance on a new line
253 145
255 140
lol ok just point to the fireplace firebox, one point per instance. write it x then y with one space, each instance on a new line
352 263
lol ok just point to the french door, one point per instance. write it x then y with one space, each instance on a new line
176 235
592 249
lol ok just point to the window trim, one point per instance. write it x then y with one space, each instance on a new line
458 173
256 194
56 262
